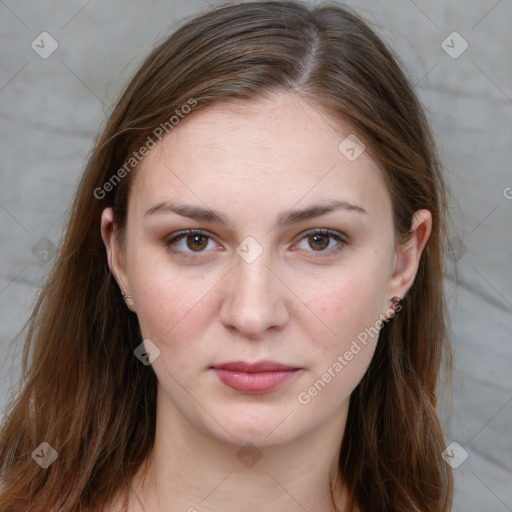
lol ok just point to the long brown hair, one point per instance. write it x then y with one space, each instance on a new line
82 390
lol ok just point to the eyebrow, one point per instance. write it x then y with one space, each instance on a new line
285 218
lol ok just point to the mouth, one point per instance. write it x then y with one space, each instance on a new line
260 377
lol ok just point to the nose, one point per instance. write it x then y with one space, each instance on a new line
255 298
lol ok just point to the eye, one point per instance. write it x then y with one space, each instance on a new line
323 240
197 241
190 241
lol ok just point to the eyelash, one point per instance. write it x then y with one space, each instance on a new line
326 232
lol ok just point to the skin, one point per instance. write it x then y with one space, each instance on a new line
300 302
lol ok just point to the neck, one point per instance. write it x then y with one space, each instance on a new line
190 471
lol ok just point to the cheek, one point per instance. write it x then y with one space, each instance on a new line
349 309
340 360
349 302
173 305
352 334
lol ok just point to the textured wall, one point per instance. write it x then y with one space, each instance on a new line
51 108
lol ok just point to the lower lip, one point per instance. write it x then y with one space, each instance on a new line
257 382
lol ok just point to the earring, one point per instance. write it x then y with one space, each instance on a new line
395 302
128 299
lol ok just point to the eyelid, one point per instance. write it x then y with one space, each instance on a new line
341 238
324 231
191 231
175 237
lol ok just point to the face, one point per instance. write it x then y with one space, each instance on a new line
292 260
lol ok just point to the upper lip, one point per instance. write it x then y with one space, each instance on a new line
260 366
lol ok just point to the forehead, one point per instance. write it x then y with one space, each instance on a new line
275 151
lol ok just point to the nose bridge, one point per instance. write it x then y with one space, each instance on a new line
253 279
255 299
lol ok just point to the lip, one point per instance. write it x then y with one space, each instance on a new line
259 377
260 366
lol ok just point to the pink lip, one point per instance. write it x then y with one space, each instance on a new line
257 377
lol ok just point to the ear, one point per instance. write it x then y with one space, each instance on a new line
407 256
115 252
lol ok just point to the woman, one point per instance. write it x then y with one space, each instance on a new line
247 306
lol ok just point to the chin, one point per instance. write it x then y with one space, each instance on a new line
270 427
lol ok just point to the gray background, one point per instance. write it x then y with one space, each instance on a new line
51 110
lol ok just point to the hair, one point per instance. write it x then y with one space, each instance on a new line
81 388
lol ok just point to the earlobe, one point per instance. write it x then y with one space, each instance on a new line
409 253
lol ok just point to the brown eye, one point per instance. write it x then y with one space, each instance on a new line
188 242
325 242
197 243
319 241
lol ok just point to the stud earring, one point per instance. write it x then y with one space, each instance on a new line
128 299
395 305
395 302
